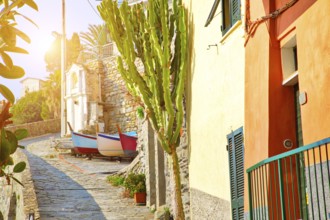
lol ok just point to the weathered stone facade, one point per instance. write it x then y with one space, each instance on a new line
158 169
183 155
205 206
119 107
38 128
317 190
15 201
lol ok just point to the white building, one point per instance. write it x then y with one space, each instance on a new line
82 98
31 85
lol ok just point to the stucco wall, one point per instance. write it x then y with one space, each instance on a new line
30 85
215 101
275 118
313 34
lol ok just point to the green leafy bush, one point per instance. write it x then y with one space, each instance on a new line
28 108
9 145
135 183
116 180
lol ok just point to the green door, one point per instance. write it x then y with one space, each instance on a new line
236 170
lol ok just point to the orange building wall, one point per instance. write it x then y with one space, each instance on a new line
287 18
256 93
313 40
256 96
281 100
270 114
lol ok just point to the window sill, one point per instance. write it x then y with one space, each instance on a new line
231 30
291 80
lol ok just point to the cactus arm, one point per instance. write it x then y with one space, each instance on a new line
165 56
138 22
128 46
153 35
153 84
182 74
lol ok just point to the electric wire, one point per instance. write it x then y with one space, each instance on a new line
90 4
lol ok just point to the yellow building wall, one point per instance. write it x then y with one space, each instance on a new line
215 99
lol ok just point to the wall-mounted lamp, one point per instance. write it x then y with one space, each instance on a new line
303 98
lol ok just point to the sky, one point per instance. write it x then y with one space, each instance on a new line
79 14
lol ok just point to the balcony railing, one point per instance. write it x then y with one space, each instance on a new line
102 52
292 185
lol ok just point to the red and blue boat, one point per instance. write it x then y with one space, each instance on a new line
128 144
111 145
84 144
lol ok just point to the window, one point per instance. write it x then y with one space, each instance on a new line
236 170
289 61
74 81
231 13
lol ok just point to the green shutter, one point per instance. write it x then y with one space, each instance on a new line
236 170
212 13
231 13
235 11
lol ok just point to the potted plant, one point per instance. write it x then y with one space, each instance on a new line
136 184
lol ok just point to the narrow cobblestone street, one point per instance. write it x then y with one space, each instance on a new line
75 188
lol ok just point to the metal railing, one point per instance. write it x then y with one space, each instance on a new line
292 185
101 52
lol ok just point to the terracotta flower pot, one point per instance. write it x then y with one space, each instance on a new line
140 198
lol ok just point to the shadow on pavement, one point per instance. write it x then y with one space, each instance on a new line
58 196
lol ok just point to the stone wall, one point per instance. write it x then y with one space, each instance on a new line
119 107
14 203
205 206
39 128
318 190
183 155
157 167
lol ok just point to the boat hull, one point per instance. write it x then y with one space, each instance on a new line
109 145
129 144
84 144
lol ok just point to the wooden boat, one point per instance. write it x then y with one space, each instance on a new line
110 145
129 144
84 144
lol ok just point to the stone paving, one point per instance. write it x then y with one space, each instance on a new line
75 188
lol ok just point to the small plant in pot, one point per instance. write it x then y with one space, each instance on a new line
136 184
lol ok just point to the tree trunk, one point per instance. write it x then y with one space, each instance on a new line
178 209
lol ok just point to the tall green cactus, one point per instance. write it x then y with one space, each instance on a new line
158 38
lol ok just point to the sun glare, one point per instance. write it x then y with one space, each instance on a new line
43 42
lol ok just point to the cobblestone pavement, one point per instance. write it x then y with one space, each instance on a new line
76 188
